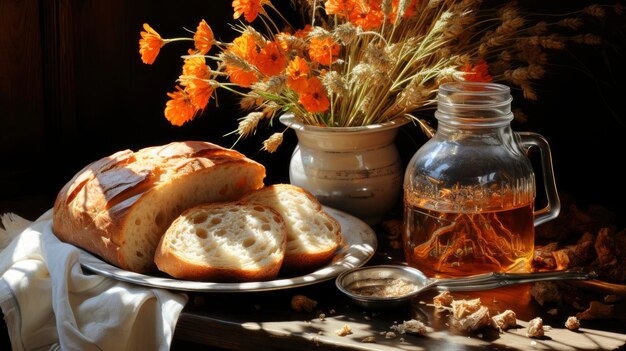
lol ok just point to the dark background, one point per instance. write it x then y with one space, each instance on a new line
73 89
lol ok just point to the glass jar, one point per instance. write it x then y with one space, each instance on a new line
469 191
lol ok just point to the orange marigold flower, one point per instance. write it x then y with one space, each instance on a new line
150 44
367 15
297 73
203 38
179 109
241 77
323 50
282 39
244 47
195 66
303 32
476 73
195 79
314 98
248 8
339 7
270 60
200 92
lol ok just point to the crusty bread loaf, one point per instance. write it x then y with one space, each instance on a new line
313 235
118 207
224 242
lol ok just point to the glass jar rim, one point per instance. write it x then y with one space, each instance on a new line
474 103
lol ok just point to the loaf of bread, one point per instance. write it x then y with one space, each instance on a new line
313 235
118 207
224 242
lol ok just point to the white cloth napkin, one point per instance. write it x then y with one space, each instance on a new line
49 303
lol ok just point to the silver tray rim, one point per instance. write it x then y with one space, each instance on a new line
359 245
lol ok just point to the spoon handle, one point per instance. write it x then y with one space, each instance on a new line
496 279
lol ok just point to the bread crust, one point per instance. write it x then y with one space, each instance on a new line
95 208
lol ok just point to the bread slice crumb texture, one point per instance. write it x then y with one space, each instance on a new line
246 241
312 234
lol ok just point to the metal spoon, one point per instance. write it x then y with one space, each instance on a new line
393 285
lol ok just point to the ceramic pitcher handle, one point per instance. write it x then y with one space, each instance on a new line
553 207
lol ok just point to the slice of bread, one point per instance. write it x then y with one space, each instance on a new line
313 235
224 242
118 207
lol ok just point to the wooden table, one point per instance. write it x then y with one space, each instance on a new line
266 321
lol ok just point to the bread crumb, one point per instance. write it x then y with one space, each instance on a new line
572 323
545 292
412 326
474 321
535 328
596 310
390 335
533 343
345 330
322 317
301 303
443 299
463 308
553 312
504 320
369 339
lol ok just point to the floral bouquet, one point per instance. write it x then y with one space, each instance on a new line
362 62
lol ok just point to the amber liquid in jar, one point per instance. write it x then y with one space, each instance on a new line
454 244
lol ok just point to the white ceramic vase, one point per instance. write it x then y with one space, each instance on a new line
357 170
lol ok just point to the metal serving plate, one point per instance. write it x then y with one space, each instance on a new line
359 246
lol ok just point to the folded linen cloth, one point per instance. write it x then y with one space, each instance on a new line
49 303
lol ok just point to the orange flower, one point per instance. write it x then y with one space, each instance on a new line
304 32
297 73
248 8
244 47
476 73
367 15
149 44
314 98
179 109
323 50
200 92
338 7
203 38
241 77
194 66
195 79
270 60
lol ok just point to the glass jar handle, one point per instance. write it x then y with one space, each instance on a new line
553 207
